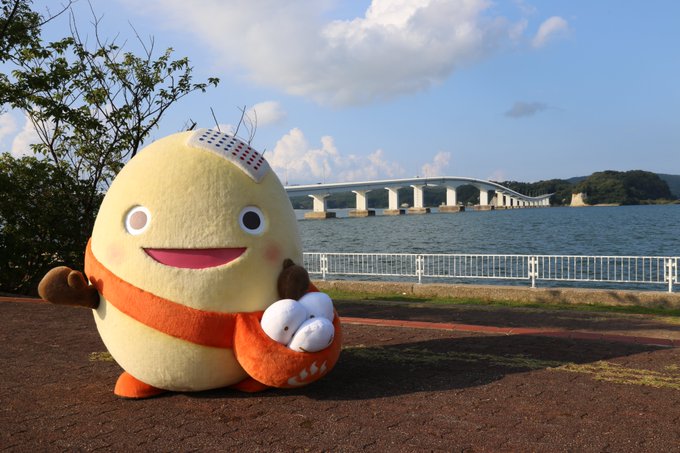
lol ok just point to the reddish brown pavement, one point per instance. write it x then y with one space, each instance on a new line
584 325
409 379
574 335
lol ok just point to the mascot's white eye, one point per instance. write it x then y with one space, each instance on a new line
137 220
251 220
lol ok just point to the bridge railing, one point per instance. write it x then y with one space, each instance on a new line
581 269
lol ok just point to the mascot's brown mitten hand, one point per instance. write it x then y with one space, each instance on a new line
64 286
293 281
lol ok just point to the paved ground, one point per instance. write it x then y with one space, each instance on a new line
651 330
415 388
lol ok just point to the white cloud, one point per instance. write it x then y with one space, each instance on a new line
525 7
498 175
266 113
293 159
296 161
521 108
374 166
21 145
8 127
259 115
549 29
396 47
516 31
438 165
227 128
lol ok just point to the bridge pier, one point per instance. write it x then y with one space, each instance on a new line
319 208
451 195
418 207
393 202
451 201
483 197
447 208
483 201
500 200
361 209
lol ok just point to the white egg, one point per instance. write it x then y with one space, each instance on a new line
313 335
282 319
318 305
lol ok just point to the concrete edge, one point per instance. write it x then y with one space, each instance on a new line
651 299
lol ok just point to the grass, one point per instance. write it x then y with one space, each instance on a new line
100 357
671 316
618 374
422 356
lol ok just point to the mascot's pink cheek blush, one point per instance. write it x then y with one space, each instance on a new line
195 258
272 254
115 254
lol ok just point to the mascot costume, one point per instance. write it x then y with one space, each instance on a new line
193 278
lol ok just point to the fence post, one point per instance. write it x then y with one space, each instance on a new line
670 272
420 267
324 266
533 270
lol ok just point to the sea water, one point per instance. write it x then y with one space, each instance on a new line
649 230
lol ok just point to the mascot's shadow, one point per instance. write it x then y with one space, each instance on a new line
365 372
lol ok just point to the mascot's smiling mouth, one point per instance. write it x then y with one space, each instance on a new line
195 258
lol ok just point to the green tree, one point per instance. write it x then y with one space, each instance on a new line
91 106
19 30
603 187
40 215
629 187
19 27
643 186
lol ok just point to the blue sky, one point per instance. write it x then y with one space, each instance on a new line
356 90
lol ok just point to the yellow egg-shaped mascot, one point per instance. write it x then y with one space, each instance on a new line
187 251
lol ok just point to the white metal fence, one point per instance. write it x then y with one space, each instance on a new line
618 270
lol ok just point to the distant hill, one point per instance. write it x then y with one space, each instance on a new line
673 182
610 187
623 187
576 179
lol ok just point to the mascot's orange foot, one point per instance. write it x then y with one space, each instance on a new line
249 385
128 386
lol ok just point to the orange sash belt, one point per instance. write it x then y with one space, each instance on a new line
265 360
207 328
